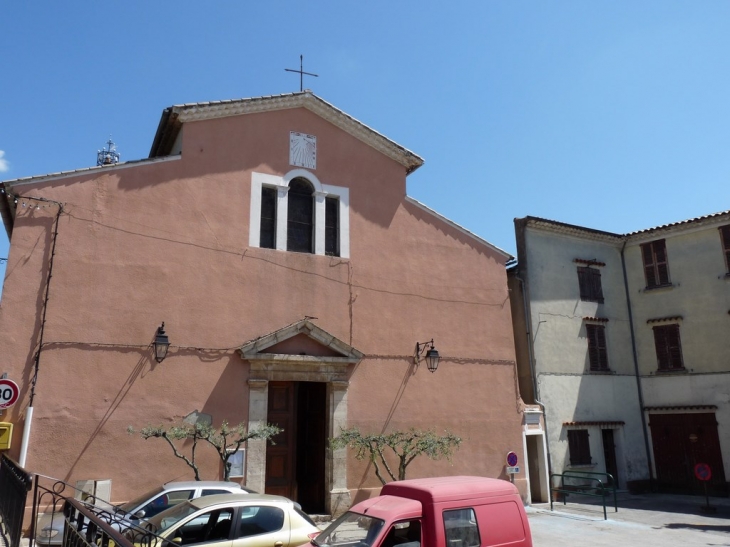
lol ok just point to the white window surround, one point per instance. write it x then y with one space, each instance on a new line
321 191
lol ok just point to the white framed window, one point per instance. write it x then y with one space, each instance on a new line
270 220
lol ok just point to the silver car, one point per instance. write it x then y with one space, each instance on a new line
49 530
228 521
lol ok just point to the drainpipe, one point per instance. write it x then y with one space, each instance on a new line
531 360
636 364
25 442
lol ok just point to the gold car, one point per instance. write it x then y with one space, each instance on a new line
230 520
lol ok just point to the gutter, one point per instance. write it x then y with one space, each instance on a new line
636 364
531 360
5 212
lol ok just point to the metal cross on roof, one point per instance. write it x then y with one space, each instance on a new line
301 72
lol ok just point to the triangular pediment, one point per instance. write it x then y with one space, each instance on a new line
302 342
174 116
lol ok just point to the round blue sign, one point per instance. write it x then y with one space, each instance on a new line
511 459
703 472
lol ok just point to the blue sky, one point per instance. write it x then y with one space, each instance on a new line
609 114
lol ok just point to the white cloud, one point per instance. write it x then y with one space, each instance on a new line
3 162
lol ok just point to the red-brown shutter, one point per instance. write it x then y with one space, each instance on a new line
668 347
597 352
675 347
662 266
656 265
725 236
660 343
648 256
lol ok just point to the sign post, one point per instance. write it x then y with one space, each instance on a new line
703 472
512 467
9 393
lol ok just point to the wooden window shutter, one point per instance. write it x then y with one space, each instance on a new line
331 227
662 351
725 236
583 283
656 265
300 222
668 347
674 347
579 447
648 256
597 351
589 284
660 253
596 287
267 238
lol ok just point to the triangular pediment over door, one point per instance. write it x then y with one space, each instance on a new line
301 351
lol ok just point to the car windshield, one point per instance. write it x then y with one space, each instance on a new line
139 500
162 521
350 530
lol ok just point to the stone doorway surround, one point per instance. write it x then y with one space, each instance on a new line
334 369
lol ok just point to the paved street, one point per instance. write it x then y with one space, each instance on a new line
650 520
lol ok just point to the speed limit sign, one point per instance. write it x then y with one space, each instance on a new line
9 393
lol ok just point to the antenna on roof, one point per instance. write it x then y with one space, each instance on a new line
301 72
108 155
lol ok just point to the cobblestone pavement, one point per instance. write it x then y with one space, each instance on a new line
650 520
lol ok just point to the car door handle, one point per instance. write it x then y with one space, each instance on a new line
279 544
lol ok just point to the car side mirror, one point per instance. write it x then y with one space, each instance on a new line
139 514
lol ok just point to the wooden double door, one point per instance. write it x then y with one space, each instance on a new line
295 461
680 442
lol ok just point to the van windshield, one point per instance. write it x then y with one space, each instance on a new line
350 530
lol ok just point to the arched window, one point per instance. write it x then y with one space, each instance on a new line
297 212
300 219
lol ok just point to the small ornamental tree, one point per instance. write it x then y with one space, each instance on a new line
405 445
226 440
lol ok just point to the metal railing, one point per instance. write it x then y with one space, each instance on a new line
15 483
91 526
61 520
595 487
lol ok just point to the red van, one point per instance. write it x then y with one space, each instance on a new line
437 512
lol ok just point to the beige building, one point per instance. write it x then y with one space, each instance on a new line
298 285
623 340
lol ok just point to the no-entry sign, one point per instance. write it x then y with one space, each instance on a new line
9 393
703 472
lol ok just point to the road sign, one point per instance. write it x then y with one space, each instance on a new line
511 459
513 470
703 472
9 393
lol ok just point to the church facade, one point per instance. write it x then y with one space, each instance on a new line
298 285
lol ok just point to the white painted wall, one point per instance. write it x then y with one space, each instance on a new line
700 294
565 384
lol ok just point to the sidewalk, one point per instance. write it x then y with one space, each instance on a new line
649 520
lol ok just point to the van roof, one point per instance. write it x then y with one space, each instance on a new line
449 488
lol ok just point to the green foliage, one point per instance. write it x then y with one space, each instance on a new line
406 445
226 440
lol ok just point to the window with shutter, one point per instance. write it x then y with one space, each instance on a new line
296 212
589 283
597 352
300 220
656 266
268 218
725 237
579 447
331 223
668 347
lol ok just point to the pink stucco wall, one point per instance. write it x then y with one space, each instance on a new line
168 241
